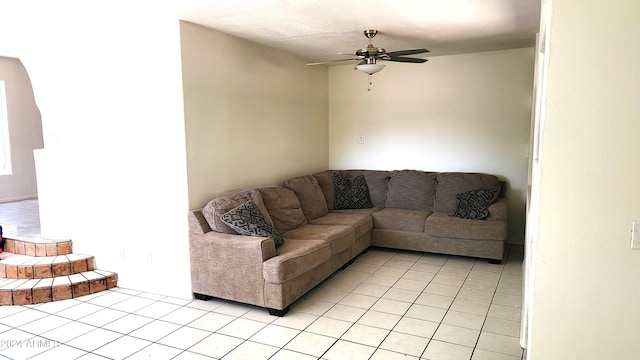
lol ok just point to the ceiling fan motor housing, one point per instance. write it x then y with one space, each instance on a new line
371 52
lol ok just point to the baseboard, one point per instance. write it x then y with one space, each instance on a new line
19 198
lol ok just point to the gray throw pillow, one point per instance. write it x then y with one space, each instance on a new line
351 193
246 219
474 204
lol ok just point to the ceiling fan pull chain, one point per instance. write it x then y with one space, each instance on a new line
370 83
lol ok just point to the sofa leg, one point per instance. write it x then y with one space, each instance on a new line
347 264
278 313
202 296
495 261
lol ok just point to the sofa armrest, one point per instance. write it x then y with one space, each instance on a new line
498 210
197 223
229 266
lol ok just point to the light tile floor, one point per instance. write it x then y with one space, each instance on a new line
390 304
20 220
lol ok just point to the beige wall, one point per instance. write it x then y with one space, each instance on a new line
254 115
586 296
25 132
454 113
109 88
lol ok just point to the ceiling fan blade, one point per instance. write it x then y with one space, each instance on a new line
406 60
333 61
407 52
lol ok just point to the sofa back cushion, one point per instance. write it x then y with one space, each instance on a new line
325 180
220 205
454 183
284 208
411 189
310 195
376 182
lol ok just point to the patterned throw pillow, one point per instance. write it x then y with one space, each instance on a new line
474 204
351 193
246 219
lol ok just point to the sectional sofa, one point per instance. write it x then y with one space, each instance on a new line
269 246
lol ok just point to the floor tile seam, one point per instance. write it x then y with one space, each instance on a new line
18 329
115 303
440 323
29 322
21 306
38 354
219 333
301 332
496 333
193 307
283 348
177 309
352 323
57 313
329 348
486 317
139 350
498 352
66 342
153 318
404 315
244 341
499 318
103 345
151 343
191 352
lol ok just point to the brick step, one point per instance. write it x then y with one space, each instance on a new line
42 248
17 266
35 291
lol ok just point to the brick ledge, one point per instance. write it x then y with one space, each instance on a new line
35 291
29 248
16 266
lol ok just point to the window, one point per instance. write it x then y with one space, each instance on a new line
5 149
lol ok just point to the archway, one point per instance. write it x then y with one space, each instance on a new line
18 185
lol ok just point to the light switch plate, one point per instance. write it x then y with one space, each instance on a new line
635 235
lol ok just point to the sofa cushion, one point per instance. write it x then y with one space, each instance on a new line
362 223
220 205
451 184
368 211
411 189
340 237
377 182
474 204
284 208
325 180
308 191
294 258
400 219
443 225
351 193
247 219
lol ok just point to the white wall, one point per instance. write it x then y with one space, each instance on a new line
25 132
254 115
466 113
586 293
107 80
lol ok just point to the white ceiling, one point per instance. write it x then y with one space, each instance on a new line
319 30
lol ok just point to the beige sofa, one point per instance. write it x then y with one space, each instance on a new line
325 227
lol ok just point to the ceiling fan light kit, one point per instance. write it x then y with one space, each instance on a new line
369 69
369 56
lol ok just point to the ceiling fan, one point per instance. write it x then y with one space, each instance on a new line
369 56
